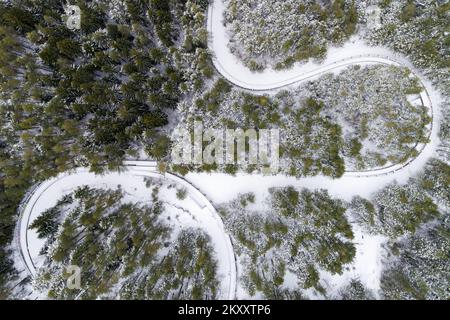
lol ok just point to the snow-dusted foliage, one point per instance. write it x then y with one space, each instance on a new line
444 134
124 250
117 87
283 248
273 33
417 28
193 57
435 181
396 210
90 97
380 111
420 268
363 118
355 290
415 217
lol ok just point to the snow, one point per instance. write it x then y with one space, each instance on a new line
367 265
223 188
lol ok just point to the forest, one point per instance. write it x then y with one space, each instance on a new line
125 250
89 97
278 34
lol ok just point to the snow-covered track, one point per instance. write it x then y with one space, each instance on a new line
140 169
271 81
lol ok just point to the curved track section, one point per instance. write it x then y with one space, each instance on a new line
353 53
207 215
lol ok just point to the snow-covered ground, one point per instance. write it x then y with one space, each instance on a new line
221 188
194 211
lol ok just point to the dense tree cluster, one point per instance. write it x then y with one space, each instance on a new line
415 218
401 209
301 233
395 210
435 181
284 245
419 29
380 110
361 119
420 267
416 28
355 290
277 34
124 250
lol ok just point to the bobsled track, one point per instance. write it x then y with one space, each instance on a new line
206 215
266 82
